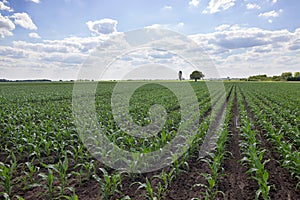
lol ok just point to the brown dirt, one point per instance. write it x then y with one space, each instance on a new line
236 184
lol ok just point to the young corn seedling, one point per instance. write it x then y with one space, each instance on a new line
6 174
61 169
210 192
211 178
32 170
90 168
79 175
109 184
5 178
151 195
167 178
74 196
49 180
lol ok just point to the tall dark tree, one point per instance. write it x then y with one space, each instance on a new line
180 75
196 75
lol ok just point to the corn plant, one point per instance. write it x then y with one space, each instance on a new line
32 170
6 175
109 184
151 195
61 169
74 196
49 178
167 178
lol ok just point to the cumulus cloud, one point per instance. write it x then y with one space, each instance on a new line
269 14
245 50
102 26
6 26
236 50
236 37
215 6
11 52
24 20
194 3
34 35
5 7
251 6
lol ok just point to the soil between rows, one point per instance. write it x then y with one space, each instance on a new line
235 183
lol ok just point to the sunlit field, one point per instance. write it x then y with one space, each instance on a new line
257 154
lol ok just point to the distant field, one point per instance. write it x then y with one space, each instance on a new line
257 153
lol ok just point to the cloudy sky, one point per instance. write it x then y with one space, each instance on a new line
52 38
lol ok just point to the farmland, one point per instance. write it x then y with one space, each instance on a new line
256 155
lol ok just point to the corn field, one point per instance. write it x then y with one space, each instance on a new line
256 155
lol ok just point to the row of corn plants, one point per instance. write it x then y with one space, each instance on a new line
216 156
252 152
289 157
280 118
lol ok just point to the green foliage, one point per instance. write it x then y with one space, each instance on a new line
196 75
286 75
40 139
110 184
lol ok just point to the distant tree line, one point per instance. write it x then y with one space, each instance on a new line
28 80
285 76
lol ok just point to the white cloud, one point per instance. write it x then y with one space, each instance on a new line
103 26
24 20
242 51
251 6
6 26
222 27
269 14
215 6
35 1
167 8
174 27
34 35
5 7
194 3
237 51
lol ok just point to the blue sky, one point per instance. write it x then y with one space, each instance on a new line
51 38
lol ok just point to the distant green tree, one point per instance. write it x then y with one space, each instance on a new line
196 75
277 78
262 77
297 74
286 75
